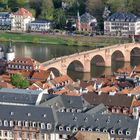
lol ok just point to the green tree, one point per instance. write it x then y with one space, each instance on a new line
59 18
14 4
47 9
19 81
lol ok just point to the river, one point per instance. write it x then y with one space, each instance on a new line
43 52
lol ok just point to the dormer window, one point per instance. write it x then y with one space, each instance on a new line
89 129
11 123
75 129
60 128
44 115
128 133
28 114
0 123
19 123
33 124
42 125
105 130
82 129
97 129
112 131
5 123
68 128
11 113
49 126
26 124
120 132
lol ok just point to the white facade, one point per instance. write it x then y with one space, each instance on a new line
122 24
5 21
10 56
39 26
21 20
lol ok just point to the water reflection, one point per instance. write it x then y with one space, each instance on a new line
43 52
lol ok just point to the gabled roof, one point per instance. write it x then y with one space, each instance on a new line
23 12
123 16
86 18
99 121
109 100
60 79
63 101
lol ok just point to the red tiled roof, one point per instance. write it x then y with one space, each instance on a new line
24 61
23 12
60 79
6 85
40 75
5 78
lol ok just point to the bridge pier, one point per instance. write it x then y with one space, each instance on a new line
87 66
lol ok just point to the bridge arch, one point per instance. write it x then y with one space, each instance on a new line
117 60
135 56
97 60
55 71
76 65
117 56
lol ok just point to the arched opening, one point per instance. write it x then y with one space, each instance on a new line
135 56
117 60
75 70
55 71
97 66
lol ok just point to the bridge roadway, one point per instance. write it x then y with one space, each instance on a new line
121 51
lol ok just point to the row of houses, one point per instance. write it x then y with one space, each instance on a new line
119 23
22 20
35 115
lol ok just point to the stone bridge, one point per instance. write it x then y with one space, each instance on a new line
101 56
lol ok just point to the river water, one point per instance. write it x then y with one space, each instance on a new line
43 52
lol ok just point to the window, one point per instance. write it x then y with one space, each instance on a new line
19 123
60 128
82 129
11 123
68 129
112 131
0 123
26 124
42 125
128 133
120 132
5 133
49 126
75 129
33 124
5 123
98 138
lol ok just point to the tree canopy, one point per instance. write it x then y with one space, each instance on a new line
55 9
19 81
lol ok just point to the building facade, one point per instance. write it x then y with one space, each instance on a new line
122 24
39 26
86 22
5 21
21 20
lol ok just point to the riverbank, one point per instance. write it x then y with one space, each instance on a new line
98 41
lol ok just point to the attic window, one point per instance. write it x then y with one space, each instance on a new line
75 129
112 131
11 113
5 123
75 118
120 132
49 126
89 129
28 114
105 130
97 129
86 119
44 115
68 129
82 129
60 128
128 133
